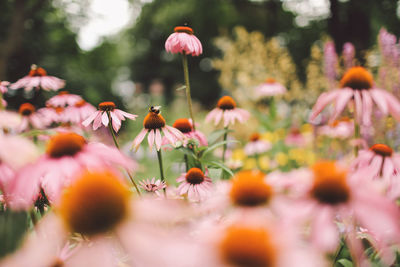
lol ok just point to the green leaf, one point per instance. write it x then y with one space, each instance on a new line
181 88
214 136
216 145
220 165
13 226
345 263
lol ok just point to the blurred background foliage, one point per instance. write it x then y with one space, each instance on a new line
45 32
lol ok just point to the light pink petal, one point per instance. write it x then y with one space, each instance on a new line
158 139
380 100
150 138
139 138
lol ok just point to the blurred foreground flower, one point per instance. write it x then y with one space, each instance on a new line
30 118
38 78
66 154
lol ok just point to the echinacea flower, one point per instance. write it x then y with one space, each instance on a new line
357 85
66 154
30 118
227 111
9 121
16 152
52 114
154 124
183 41
38 78
64 98
153 185
195 184
4 86
256 145
380 162
108 111
331 195
341 128
249 189
186 127
269 88
79 112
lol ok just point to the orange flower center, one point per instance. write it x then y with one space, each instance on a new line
95 203
381 149
65 144
336 122
183 29
247 247
270 80
63 93
57 263
59 110
250 189
194 176
226 102
153 120
255 137
26 109
183 125
357 78
80 103
37 71
330 186
107 106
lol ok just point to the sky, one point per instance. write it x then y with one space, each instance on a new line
108 17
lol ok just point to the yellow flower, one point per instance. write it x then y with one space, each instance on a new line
281 158
249 164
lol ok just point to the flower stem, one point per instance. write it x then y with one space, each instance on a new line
117 145
1 101
32 214
225 145
161 167
186 162
188 96
356 136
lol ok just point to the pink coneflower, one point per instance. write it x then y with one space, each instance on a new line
341 128
9 121
52 114
256 145
30 117
153 185
79 112
332 194
154 124
227 111
108 111
38 78
195 184
357 85
183 41
295 138
66 154
269 88
64 98
186 127
380 161
4 86
16 152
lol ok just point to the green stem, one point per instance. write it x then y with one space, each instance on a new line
161 167
112 130
1 101
32 214
117 145
187 83
225 145
338 253
356 136
186 162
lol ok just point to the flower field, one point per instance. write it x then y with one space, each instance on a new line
277 172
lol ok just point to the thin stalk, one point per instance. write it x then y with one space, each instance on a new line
338 253
186 162
225 145
356 136
112 130
32 214
117 145
187 86
1 101
159 156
